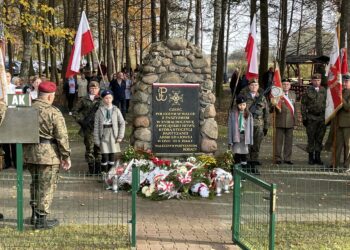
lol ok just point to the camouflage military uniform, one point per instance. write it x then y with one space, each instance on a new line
313 105
84 108
259 108
43 159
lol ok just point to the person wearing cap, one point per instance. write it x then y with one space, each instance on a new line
343 131
240 132
84 114
44 159
313 106
258 107
285 122
109 130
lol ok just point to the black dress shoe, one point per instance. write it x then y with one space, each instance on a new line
278 162
288 162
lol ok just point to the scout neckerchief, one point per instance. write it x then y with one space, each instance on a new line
241 122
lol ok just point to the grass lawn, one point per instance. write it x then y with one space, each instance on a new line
299 236
67 237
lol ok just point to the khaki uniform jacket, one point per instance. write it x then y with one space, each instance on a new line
284 118
344 112
52 127
118 124
313 104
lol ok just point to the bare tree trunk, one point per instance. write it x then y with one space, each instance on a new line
9 43
27 41
99 29
164 22
53 71
214 45
318 45
344 21
141 32
282 49
198 17
126 36
220 55
70 21
110 69
46 57
285 33
227 33
252 9
154 21
38 51
188 19
264 27
300 25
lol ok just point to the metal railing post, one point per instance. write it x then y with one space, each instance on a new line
272 217
19 163
135 187
236 204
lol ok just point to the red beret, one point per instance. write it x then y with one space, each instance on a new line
47 87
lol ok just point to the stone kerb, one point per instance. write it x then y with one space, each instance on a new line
174 61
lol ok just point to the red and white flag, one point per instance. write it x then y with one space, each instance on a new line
344 57
334 83
252 52
83 44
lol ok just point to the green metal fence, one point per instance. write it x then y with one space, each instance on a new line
90 216
254 204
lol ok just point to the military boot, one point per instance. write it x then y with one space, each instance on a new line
33 217
311 158
97 170
1 217
91 169
318 158
43 223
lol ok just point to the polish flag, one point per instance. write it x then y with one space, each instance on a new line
344 57
83 45
252 52
334 83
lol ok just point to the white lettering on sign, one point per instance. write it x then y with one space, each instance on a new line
18 100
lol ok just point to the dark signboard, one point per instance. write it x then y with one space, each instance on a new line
175 118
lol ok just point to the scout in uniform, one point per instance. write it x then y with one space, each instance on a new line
84 114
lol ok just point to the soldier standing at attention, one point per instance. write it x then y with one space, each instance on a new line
84 114
258 107
343 131
285 122
44 159
313 106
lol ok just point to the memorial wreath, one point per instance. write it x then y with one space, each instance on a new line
201 176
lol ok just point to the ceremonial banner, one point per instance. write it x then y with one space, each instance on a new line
252 52
276 89
83 45
334 83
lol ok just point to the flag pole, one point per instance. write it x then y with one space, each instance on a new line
99 66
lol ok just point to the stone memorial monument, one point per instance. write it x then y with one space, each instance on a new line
173 103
